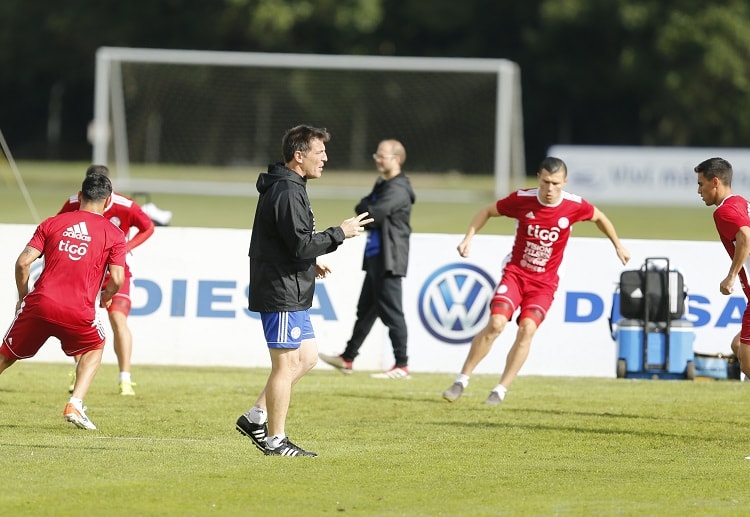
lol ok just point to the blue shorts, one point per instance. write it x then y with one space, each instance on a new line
286 329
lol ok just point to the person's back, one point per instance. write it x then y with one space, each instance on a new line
73 245
123 212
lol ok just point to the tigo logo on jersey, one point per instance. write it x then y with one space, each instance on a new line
79 232
454 301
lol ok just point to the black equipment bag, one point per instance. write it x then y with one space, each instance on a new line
663 288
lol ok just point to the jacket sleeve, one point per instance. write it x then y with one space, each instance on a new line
387 200
296 227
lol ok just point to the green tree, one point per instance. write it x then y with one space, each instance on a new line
643 72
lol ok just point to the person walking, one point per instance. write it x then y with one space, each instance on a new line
126 214
732 219
284 246
545 216
386 258
79 248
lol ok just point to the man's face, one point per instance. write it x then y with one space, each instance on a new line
707 189
315 159
384 158
551 185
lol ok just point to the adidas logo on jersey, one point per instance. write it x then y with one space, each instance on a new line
78 231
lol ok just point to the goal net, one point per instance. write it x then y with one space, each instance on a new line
160 110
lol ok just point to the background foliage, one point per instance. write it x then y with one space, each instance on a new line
635 72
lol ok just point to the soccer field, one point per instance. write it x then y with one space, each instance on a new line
556 446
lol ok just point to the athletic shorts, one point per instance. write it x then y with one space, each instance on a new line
286 329
121 299
745 329
518 290
27 334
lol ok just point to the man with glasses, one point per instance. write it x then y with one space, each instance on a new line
385 261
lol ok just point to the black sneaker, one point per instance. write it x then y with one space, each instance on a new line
287 448
256 432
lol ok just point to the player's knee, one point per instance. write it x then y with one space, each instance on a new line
496 324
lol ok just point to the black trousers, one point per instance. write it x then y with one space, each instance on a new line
381 297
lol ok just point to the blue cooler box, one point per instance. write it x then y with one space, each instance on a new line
629 336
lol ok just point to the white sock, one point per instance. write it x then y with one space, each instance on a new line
275 440
125 377
257 415
462 379
77 403
500 390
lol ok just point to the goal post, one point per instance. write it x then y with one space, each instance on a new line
220 108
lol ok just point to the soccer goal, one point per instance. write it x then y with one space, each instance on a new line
158 109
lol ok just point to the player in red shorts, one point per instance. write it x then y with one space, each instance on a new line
530 278
78 247
125 214
732 219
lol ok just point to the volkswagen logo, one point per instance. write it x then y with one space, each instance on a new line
454 301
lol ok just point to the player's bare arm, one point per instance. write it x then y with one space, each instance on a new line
355 225
477 223
741 252
23 270
607 228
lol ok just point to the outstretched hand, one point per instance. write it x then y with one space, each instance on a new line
354 225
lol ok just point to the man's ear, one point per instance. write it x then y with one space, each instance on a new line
80 197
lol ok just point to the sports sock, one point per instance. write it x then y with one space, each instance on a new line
462 379
274 441
125 377
77 403
257 415
500 390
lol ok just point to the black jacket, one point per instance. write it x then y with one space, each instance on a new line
389 204
284 244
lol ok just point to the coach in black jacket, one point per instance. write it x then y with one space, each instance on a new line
283 249
385 261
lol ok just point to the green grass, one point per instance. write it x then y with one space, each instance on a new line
556 446
49 184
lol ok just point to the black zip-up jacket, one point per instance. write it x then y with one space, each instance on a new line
284 243
389 204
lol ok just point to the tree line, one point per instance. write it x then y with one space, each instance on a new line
615 72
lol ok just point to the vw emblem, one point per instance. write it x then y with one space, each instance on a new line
454 301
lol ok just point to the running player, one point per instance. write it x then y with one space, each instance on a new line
732 219
530 278
78 248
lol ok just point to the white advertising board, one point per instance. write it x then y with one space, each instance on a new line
661 176
190 298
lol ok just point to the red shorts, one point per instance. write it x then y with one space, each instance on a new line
27 334
745 329
518 290
121 299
